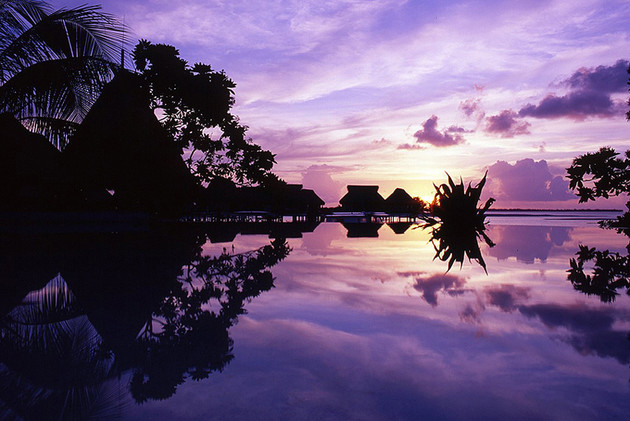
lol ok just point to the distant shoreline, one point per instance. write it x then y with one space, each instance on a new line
551 210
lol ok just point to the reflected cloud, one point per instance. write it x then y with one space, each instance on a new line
591 330
507 296
321 243
527 243
445 283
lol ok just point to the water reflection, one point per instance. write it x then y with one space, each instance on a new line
528 244
453 243
610 272
120 303
351 325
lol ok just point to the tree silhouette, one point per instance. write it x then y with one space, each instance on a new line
53 63
151 305
192 340
192 101
602 174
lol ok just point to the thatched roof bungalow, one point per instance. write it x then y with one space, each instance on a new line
122 147
362 198
401 202
223 195
34 178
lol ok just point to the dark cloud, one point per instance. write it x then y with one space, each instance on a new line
431 135
506 296
576 105
608 79
589 95
506 124
590 330
526 180
429 287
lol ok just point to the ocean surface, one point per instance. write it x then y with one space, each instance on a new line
340 322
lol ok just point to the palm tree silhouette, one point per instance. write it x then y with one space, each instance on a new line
53 63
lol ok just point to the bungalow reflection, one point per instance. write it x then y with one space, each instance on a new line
148 304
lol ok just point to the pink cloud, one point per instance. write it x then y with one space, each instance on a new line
526 180
319 178
431 135
472 108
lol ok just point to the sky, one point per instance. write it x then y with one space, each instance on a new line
396 93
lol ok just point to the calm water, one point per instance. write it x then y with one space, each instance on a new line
360 328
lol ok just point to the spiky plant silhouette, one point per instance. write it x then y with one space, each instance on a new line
457 223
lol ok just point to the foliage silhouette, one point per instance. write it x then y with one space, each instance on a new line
193 341
600 174
192 100
123 305
53 63
611 272
593 175
457 223
53 364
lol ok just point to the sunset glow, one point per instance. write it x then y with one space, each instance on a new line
396 92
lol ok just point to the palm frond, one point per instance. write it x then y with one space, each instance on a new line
53 64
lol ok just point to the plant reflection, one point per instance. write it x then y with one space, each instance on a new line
187 336
458 223
53 365
610 270
64 346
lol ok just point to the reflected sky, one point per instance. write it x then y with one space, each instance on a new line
373 328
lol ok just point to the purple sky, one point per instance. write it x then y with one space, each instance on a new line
397 92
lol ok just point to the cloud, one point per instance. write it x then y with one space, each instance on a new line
506 296
608 79
382 143
575 105
429 287
506 124
526 180
471 106
591 331
319 178
431 135
410 147
589 95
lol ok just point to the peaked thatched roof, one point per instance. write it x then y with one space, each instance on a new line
362 198
32 172
123 147
400 201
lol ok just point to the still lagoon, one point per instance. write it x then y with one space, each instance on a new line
338 323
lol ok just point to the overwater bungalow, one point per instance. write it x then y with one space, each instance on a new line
399 227
362 199
284 199
401 202
362 229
